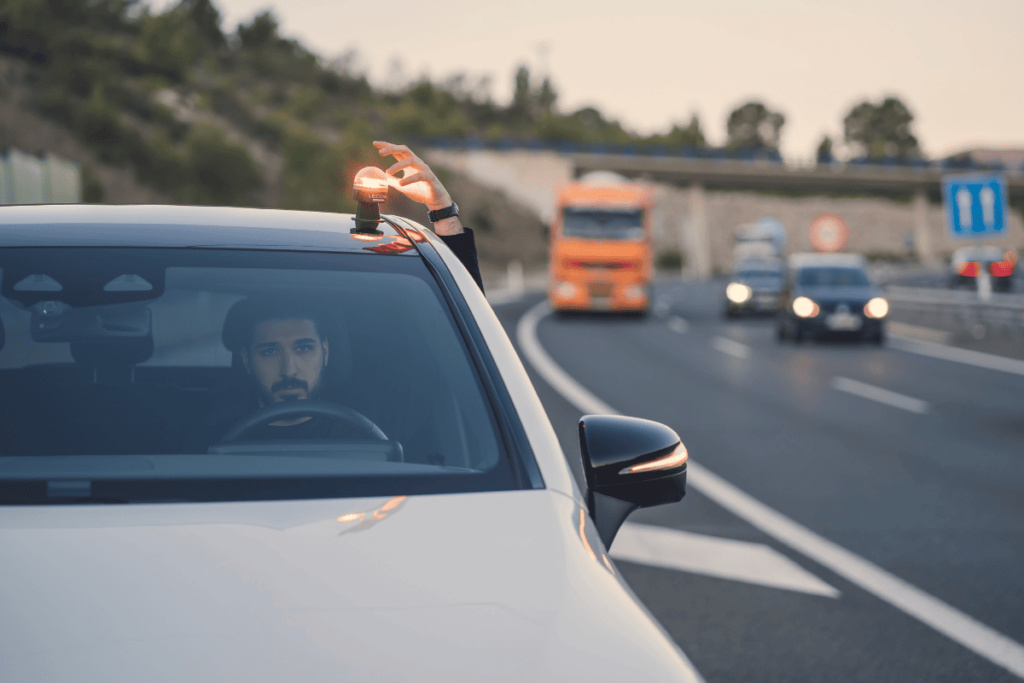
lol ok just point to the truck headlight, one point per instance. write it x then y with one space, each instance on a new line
634 292
566 290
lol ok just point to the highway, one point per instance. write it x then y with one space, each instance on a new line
854 513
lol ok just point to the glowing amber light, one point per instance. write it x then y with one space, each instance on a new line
674 459
366 237
370 185
392 504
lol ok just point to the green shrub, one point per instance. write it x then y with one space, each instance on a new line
217 171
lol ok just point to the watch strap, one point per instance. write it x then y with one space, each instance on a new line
441 214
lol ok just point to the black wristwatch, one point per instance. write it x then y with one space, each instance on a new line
441 214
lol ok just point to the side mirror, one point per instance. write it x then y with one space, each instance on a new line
629 463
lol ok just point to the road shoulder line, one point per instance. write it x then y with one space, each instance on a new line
957 355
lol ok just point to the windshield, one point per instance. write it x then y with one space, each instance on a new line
833 277
137 375
601 224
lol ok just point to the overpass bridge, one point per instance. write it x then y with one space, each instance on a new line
764 176
701 201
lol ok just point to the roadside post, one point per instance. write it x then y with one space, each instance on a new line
976 209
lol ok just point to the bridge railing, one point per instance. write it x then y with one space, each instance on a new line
760 156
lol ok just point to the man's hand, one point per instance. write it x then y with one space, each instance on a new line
419 184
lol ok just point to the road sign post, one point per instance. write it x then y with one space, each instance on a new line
975 205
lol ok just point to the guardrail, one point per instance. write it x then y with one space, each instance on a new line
957 307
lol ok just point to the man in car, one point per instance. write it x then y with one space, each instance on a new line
283 345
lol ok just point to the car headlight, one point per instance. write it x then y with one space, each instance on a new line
738 293
804 307
566 290
876 308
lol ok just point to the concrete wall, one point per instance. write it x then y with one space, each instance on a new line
28 179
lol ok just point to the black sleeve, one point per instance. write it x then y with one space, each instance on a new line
464 247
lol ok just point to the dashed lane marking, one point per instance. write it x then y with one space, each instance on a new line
730 347
678 325
873 393
926 608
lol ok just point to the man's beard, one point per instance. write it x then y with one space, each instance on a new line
268 397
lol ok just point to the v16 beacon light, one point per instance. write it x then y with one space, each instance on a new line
370 189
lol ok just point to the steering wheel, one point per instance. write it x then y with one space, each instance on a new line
293 409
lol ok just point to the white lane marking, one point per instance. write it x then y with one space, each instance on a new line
957 355
571 390
754 563
678 325
662 307
926 608
873 393
730 347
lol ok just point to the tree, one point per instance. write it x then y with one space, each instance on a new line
754 126
690 136
206 19
522 98
259 33
881 130
546 96
824 153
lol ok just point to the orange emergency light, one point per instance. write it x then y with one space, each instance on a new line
370 189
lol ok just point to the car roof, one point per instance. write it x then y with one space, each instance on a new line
93 225
827 260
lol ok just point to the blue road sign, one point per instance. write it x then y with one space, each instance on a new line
975 205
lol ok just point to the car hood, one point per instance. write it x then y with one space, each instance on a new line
838 294
500 586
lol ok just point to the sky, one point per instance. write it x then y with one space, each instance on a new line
957 64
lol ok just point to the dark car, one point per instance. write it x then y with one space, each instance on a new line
245 444
755 286
831 295
968 263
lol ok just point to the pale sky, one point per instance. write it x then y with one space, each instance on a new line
958 64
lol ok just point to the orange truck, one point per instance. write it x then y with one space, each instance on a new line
601 248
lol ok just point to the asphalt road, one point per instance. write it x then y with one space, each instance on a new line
913 464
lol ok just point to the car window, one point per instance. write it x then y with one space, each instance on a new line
832 277
125 370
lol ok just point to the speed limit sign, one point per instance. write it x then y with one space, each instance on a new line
828 233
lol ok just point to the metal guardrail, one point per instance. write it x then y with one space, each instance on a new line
957 307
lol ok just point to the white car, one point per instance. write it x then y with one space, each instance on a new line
256 445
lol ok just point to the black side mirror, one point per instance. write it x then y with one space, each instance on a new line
629 463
